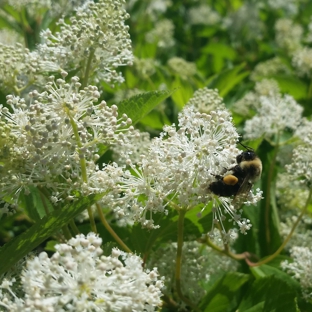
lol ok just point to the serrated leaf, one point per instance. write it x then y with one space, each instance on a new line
20 246
140 105
268 270
226 293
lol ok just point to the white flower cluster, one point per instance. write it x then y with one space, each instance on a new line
178 169
288 35
289 6
33 7
203 15
274 114
303 235
52 140
206 100
269 68
145 67
181 67
162 34
198 263
79 278
19 68
157 7
10 37
179 165
301 269
302 61
251 100
96 39
136 143
245 24
301 165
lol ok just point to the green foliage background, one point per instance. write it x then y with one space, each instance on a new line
224 60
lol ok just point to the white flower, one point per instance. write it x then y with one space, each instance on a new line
162 34
135 144
145 67
18 68
301 269
178 168
96 35
302 61
269 68
275 114
53 139
203 14
79 278
245 23
206 100
198 264
288 35
251 100
181 67
301 165
157 7
290 6
33 7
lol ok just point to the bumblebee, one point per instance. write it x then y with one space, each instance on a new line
243 175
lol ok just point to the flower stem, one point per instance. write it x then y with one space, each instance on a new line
83 171
226 251
268 197
182 213
73 227
66 232
111 231
88 69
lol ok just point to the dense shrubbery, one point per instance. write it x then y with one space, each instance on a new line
115 118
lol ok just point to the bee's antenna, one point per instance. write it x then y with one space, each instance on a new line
247 147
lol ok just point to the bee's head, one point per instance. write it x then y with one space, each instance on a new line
247 155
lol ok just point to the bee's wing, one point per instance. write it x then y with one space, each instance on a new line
243 191
245 186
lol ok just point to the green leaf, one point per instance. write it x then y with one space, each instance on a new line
226 293
292 85
196 216
272 293
220 53
35 204
144 240
269 270
183 93
155 120
256 308
228 79
140 105
19 247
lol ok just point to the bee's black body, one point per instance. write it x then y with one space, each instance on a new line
244 174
